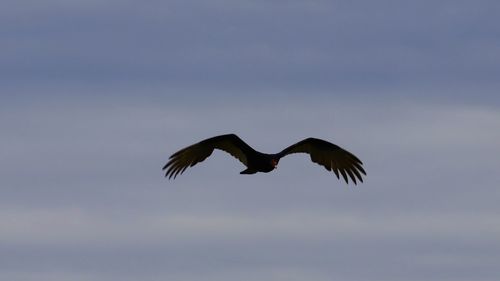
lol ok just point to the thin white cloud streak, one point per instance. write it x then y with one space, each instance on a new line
73 227
44 275
244 274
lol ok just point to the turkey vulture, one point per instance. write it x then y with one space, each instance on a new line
327 154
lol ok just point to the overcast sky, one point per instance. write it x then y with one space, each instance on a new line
95 96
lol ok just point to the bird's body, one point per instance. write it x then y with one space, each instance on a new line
327 154
260 162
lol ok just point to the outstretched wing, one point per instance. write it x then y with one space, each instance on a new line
198 152
330 156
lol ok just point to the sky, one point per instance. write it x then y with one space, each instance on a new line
96 95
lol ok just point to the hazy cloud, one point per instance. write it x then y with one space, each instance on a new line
257 45
83 195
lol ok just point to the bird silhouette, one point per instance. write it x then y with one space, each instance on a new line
331 156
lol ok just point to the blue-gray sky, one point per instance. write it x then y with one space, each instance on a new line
95 95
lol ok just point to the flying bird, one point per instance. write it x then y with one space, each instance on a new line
326 154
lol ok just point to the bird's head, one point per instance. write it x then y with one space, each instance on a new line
274 162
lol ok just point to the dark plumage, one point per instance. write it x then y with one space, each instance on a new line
324 153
